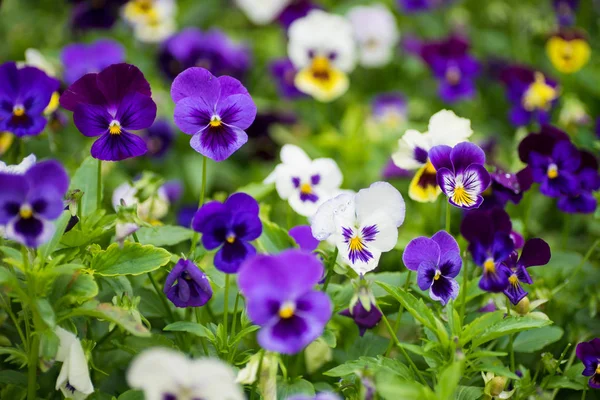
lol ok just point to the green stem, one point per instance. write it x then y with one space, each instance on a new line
99 187
258 373
330 265
32 368
511 340
448 219
566 229
585 258
34 340
226 303
198 320
569 363
13 317
399 317
584 394
463 295
195 237
235 310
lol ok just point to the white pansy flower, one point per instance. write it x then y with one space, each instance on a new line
153 20
363 225
34 58
18 169
303 182
375 32
262 12
74 377
162 373
321 47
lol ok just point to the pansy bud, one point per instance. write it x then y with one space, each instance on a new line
363 310
523 306
496 385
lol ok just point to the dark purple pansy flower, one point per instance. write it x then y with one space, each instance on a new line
589 354
535 252
95 14
82 58
295 10
212 50
110 104
412 6
389 108
186 215
437 262
230 226
24 94
517 239
565 11
392 171
30 202
363 318
582 200
280 296
556 172
159 137
303 236
216 111
506 187
453 66
187 286
489 235
284 73
460 173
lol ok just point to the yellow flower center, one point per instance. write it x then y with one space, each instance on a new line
215 121
305 188
18 111
287 310
552 171
438 273
25 212
598 369
320 68
489 265
230 238
114 128
539 95
513 279
356 244
461 196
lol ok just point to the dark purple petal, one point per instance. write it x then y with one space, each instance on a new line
566 156
440 157
464 154
119 80
9 82
242 203
231 256
192 288
315 305
502 247
444 289
91 120
523 275
84 90
264 308
231 86
589 354
12 196
27 125
215 227
46 202
446 242
136 111
542 142
35 89
446 180
584 203
535 252
495 280
450 264
303 236
206 213
426 274
362 318
31 232
238 110
419 250
288 336
196 82
118 147
192 115
48 174
219 143
515 292
246 226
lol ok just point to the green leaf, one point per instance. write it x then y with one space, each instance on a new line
191 327
11 253
498 369
258 190
84 288
329 338
132 395
60 225
274 238
469 393
509 326
46 312
374 365
391 387
286 389
132 259
448 382
532 341
479 325
86 180
49 343
114 314
562 382
11 377
165 235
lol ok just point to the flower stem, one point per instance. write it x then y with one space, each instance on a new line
235 310
463 295
195 237
34 340
330 265
399 317
226 303
586 257
448 220
99 187
258 374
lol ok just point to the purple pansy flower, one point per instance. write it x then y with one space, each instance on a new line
159 138
461 174
187 286
535 252
582 199
506 187
216 111
437 262
490 244
185 215
589 354
82 58
565 11
94 14
319 396
212 50
453 66
284 73
280 295
110 104
556 172
389 108
412 6
295 10
24 94
230 226
303 236
29 202
363 318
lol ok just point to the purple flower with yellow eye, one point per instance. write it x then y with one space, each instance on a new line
506 187
453 66
24 94
111 104
82 58
490 243
535 252
460 173
215 111
437 262
589 354
229 226
187 286
582 199
280 296
30 202
284 73
556 172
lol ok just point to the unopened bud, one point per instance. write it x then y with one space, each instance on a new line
523 306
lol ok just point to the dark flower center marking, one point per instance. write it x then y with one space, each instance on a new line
489 266
513 280
453 75
114 128
421 155
320 68
552 171
437 275
287 310
25 211
18 111
69 387
215 121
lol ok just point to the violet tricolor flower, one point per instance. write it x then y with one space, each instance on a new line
389 109
437 262
187 286
82 58
556 172
110 104
461 174
535 252
159 138
229 226
280 296
582 199
490 244
30 202
589 354
284 73
24 95
302 234
216 111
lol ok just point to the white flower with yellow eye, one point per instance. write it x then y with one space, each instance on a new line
445 128
152 20
262 12
74 376
321 47
375 32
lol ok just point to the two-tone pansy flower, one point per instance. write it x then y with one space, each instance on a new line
362 226
187 286
229 226
535 252
568 50
152 20
589 354
437 262
215 111
445 128
375 32
461 174
321 47
79 59
110 104
280 297
74 377
303 182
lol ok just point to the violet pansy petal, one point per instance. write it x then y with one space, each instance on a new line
515 292
31 232
91 120
246 226
11 200
49 173
502 246
219 143
288 336
446 180
465 154
440 157
418 250
173 275
566 155
231 86
118 147
450 264
9 82
426 274
523 275
303 236
215 230
315 304
84 90
47 202
495 281
136 111
238 110
444 289
196 82
205 213
242 203
535 252
263 308
192 115
446 242
118 80
230 257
